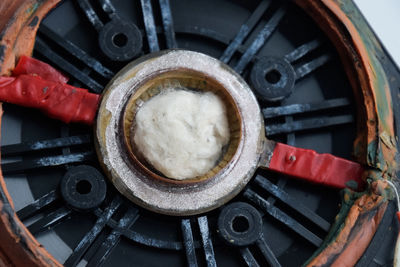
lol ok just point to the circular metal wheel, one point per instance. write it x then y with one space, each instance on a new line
330 88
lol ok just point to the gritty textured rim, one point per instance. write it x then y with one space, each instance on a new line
184 200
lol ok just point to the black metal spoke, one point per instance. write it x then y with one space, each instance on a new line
168 23
244 31
89 238
26 147
290 140
150 25
108 8
42 48
91 14
261 38
188 242
309 67
308 124
37 205
248 257
282 180
206 241
76 52
291 202
302 108
94 19
290 137
202 32
303 50
49 221
119 39
112 239
283 217
273 78
21 166
142 239
64 132
241 225
267 253
150 241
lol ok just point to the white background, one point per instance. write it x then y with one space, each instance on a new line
384 18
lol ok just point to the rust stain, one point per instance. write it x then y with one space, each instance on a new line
366 77
18 246
18 25
376 144
17 33
375 90
357 230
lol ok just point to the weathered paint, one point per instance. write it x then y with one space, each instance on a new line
382 148
18 37
375 145
354 227
17 246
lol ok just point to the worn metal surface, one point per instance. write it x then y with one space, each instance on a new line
165 195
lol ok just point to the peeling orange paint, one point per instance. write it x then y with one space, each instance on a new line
376 143
17 245
357 231
17 38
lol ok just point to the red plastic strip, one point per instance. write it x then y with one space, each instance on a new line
308 165
58 100
28 65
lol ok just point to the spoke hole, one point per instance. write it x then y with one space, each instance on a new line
83 187
120 40
240 224
273 76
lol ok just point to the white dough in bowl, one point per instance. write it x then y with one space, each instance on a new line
182 133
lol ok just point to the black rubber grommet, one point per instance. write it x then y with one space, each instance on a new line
83 187
120 41
272 78
240 224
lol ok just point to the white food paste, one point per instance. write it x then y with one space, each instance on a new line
182 133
